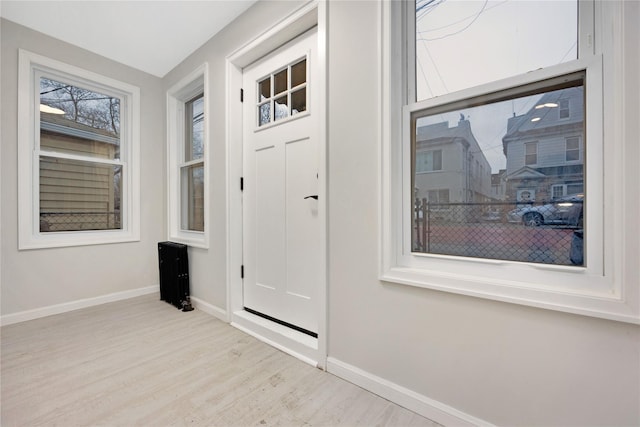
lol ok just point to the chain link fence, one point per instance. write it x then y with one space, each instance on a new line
546 233
78 221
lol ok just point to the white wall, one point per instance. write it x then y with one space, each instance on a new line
503 363
36 279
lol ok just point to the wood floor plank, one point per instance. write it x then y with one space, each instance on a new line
142 362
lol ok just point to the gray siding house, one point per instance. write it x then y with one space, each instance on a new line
545 148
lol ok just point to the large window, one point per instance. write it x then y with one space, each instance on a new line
78 156
187 159
503 101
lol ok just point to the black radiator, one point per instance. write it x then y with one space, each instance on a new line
174 274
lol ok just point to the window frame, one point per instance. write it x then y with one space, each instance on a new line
187 89
528 155
433 163
568 150
598 289
562 109
32 67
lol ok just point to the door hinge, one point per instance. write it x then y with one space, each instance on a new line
241 95
242 271
241 184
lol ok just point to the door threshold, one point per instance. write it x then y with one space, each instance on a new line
297 344
282 322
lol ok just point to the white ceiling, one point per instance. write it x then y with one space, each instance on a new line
152 36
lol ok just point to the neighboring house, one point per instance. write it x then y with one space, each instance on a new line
545 150
450 165
77 195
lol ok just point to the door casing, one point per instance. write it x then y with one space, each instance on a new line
313 351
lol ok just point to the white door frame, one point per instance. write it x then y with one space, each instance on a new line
299 345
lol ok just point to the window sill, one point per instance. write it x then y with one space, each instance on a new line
76 238
611 306
194 239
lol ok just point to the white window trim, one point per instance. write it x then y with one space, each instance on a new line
29 236
604 288
190 86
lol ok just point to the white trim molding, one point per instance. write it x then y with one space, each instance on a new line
210 309
418 403
312 13
23 316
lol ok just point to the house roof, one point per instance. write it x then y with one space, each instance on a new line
548 117
60 124
442 131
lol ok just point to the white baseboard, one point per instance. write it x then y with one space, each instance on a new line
429 408
50 310
209 309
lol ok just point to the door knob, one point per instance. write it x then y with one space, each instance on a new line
315 196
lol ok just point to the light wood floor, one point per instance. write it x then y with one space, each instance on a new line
143 362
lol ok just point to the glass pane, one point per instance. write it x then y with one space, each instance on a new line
281 108
193 198
506 37
298 101
78 121
299 73
280 82
194 139
264 89
264 114
477 192
77 195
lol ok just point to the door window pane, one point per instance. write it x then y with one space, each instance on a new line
299 101
299 73
280 82
519 141
281 108
507 37
264 114
264 89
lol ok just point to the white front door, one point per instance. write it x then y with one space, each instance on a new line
281 229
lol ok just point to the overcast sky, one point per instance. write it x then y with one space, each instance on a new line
463 43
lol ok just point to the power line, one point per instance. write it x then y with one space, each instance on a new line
462 29
461 20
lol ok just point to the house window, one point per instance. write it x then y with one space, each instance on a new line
564 190
438 196
572 149
426 100
530 153
187 140
82 163
429 161
563 110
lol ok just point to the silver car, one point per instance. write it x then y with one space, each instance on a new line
565 211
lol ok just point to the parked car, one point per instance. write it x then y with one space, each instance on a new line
564 211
